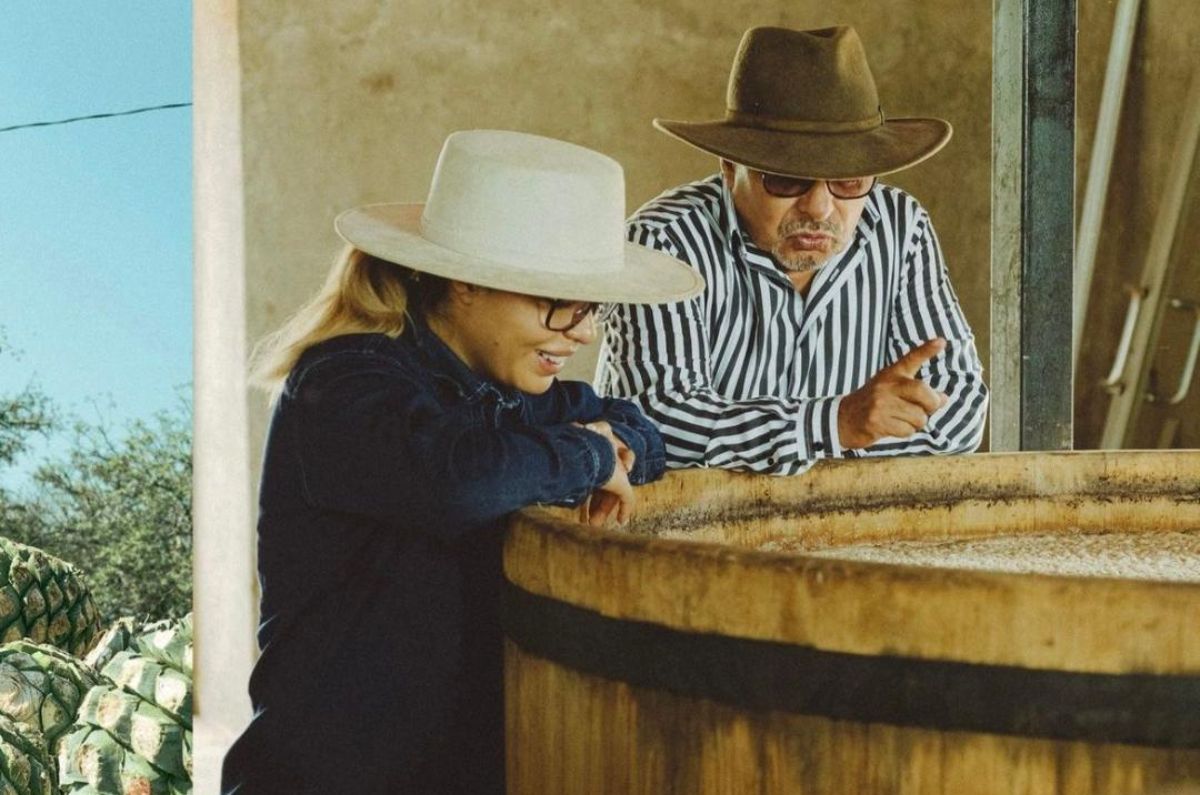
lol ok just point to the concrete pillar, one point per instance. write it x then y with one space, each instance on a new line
225 590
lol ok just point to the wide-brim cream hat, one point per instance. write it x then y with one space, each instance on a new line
527 214
803 103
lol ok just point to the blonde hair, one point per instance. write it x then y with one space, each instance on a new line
361 294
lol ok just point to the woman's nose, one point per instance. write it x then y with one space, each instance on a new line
585 330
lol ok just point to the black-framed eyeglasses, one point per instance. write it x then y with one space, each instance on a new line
565 315
792 187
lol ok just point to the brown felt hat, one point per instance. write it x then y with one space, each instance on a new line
803 103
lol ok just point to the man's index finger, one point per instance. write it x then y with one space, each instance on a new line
911 362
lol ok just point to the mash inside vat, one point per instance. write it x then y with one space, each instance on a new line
1165 556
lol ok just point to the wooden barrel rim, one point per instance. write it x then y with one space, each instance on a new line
1050 622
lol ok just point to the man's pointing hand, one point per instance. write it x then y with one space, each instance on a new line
893 403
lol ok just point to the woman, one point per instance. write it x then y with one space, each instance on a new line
416 403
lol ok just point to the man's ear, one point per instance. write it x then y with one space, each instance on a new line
728 170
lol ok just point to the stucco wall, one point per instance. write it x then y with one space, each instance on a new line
350 104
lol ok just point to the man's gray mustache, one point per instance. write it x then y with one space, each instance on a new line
800 227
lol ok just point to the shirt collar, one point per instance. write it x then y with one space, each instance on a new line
738 239
740 245
453 372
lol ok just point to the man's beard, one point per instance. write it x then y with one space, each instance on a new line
804 261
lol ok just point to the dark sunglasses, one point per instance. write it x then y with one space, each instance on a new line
792 187
566 315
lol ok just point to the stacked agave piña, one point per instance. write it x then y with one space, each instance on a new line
42 599
45 612
120 721
42 687
25 764
134 729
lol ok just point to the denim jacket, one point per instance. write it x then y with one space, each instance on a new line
389 466
404 430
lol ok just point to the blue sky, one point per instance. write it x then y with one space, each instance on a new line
95 216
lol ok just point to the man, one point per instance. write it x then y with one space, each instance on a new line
828 327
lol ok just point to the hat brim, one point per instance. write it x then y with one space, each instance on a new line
392 232
894 145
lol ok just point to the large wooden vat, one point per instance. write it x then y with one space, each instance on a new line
680 657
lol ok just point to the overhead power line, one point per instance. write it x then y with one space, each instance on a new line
95 116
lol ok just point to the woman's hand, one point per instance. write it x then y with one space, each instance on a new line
614 498
620 449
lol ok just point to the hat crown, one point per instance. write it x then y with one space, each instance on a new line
812 76
528 202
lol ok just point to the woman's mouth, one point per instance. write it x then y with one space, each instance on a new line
552 362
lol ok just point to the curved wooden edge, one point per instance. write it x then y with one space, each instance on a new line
862 486
1072 623
569 731
755 675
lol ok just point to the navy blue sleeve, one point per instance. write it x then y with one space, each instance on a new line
565 401
374 441
576 401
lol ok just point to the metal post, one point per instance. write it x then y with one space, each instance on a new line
1092 214
1007 103
1033 223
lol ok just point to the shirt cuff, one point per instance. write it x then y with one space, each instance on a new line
817 429
603 459
650 457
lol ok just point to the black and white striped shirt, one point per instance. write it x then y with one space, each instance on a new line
750 373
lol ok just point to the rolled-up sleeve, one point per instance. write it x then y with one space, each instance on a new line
373 440
575 401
